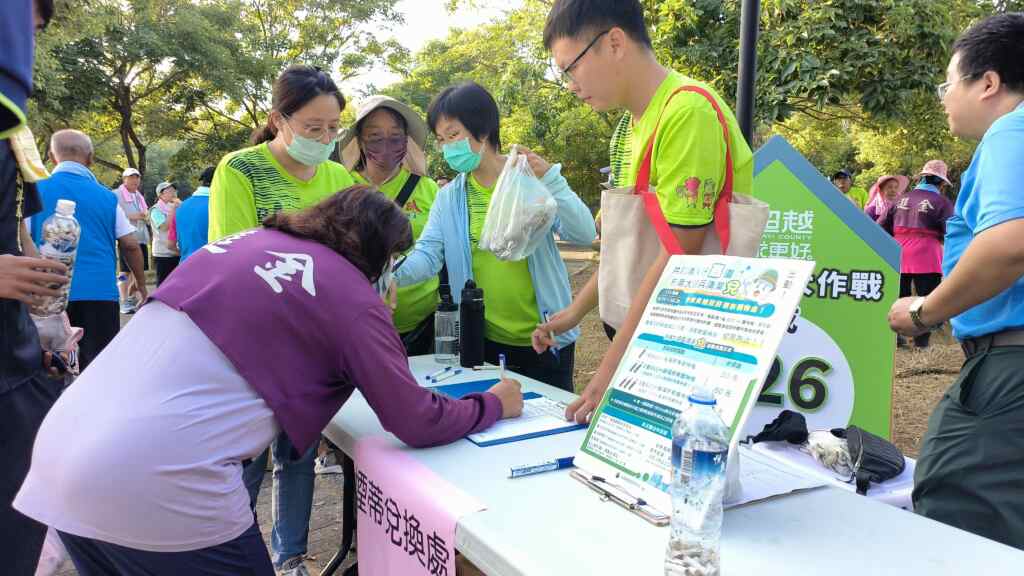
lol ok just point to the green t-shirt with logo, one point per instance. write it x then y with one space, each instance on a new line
417 301
858 196
688 164
250 185
510 303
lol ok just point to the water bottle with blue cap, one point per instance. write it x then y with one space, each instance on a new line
700 449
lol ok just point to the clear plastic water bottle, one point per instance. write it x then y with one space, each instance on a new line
60 236
446 329
700 449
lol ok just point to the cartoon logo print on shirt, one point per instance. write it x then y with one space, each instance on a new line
412 210
285 268
709 193
692 189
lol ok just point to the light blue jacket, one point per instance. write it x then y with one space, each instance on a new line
445 240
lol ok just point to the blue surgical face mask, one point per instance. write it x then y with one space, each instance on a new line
308 151
460 156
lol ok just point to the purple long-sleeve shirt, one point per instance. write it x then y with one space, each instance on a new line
304 327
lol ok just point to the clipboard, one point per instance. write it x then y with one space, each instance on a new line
611 491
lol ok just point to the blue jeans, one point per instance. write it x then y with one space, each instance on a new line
293 496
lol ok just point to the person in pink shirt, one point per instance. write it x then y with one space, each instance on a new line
883 193
917 219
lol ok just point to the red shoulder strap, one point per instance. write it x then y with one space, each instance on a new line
653 207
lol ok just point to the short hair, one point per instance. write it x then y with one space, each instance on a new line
45 9
359 222
573 18
297 86
206 178
473 106
997 44
71 144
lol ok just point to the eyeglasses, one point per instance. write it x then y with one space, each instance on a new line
317 132
567 71
942 89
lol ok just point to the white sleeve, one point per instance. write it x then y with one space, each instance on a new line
122 227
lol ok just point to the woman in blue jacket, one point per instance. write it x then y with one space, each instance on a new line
465 121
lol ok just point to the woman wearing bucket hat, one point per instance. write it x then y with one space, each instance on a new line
883 193
384 148
918 221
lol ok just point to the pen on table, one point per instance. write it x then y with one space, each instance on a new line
549 466
479 368
501 366
447 375
438 373
551 334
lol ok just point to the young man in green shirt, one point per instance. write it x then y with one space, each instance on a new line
604 52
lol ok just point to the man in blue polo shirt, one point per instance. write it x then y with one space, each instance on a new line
93 302
970 473
193 217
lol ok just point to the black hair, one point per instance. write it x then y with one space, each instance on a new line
574 18
997 44
361 164
933 180
45 9
206 178
358 222
473 106
293 89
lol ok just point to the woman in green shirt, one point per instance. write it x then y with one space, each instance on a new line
380 141
287 169
517 294
288 166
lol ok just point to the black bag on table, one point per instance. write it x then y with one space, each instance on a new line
874 459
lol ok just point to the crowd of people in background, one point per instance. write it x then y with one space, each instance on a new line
916 218
209 405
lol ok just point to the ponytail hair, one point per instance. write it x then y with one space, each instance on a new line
293 89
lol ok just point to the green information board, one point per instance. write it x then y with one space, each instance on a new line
835 365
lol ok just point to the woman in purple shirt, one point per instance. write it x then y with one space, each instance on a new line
264 331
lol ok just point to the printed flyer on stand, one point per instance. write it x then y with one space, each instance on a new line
715 321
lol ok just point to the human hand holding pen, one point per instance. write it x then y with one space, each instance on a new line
543 336
510 393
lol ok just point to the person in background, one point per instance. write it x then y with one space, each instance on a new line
918 221
383 131
465 120
26 393
93 301
970 471
130 199
192 218
606 58
843 180
165 253
287 168
167 498
883 195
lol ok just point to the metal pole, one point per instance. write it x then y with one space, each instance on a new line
749 24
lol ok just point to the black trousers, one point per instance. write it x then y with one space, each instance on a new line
22 410
420 340
164 266
101 321
923 284
549 368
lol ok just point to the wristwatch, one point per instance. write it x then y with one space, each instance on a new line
915 315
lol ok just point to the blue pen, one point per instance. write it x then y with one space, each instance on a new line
447 375
549 466
438 373
501 365
551 334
